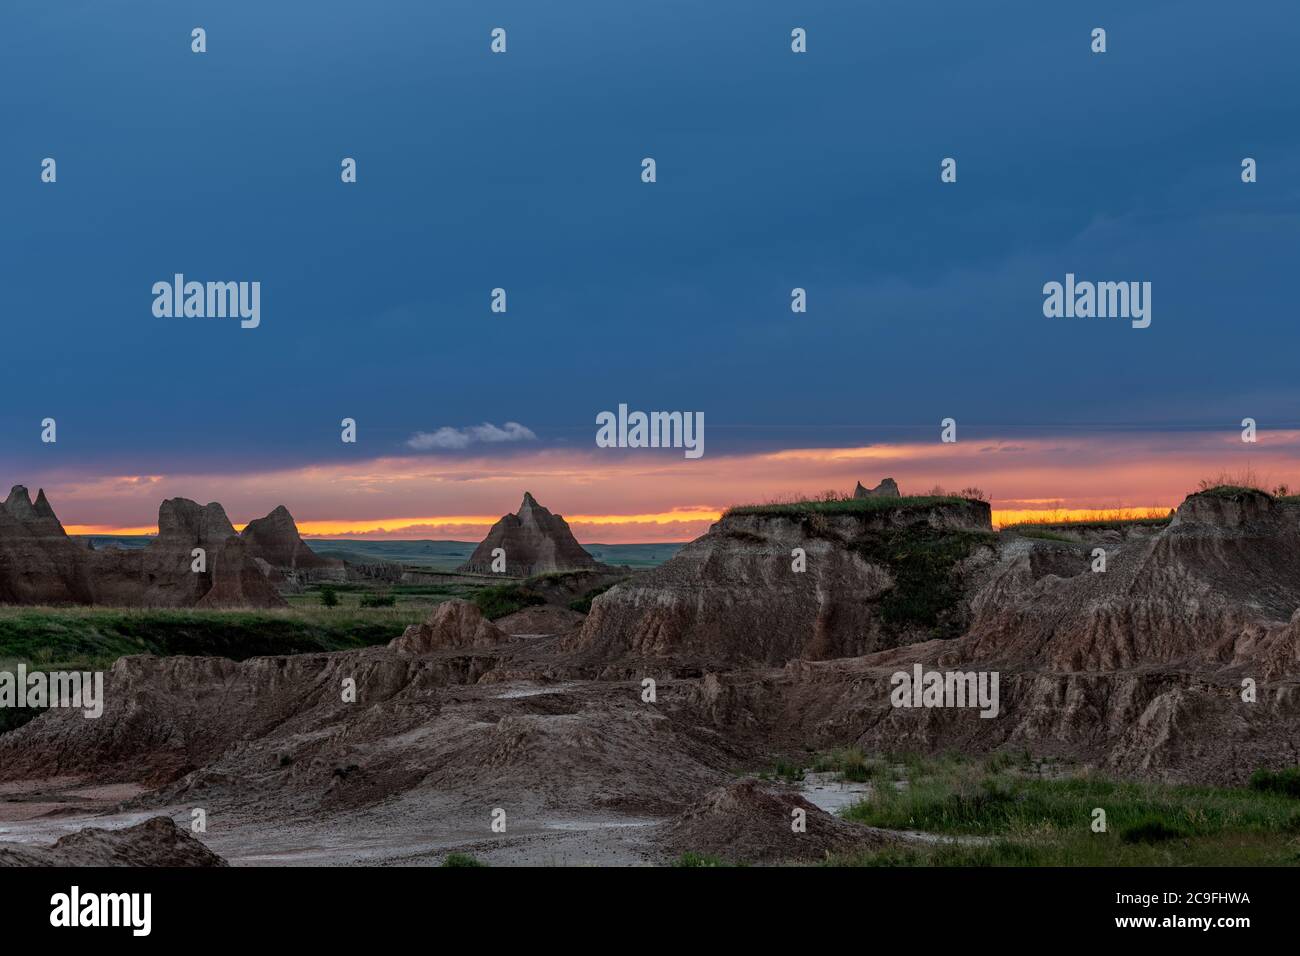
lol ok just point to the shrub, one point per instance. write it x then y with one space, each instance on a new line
1277 781
506 599
784 770
1150 830
583 604
329 597
461 859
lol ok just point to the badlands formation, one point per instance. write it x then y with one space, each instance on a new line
529 542
40 564
777 633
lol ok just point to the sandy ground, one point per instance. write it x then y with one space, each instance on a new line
406 833
412 831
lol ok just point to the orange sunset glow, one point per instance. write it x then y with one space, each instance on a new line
650 498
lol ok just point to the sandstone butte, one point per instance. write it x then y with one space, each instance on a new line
534 541
40 564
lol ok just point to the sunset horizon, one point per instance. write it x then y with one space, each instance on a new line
642 498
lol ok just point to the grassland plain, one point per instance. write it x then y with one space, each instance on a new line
1016 811
68 638
434 555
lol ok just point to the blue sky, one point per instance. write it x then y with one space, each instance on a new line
775 170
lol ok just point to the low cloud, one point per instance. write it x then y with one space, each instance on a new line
452 438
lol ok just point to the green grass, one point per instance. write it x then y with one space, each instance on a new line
1153 830
844 506
922 561
354 597
462 859
783 770
699 859
1017 817
505 599
1050 530
851 764
1277 781
92 638
583 604
1232 491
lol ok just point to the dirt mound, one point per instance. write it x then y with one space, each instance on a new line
453 625
545 619
534 541
165 717
312 733
155 842
745 823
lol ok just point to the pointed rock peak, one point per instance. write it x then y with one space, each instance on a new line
279 522
19 503
42 506
530 504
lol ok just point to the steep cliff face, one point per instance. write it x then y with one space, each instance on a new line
1181 660
1222 581
1164 723
770 586
535 542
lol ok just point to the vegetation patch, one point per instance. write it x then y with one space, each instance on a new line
506 599
1232 491
844 506
1008 812
462 859
851 764
583 604
783 770
922 560
92 638
1153 830
699 859
1277 781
